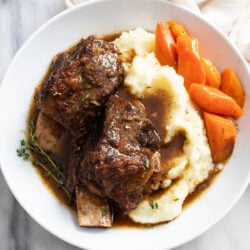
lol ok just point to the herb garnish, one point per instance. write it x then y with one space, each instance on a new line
85 97
153 204
41 159
80 79
149 225
122 117
146 164
95 102
104 213
87 86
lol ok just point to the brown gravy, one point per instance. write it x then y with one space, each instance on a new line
157 109
156 106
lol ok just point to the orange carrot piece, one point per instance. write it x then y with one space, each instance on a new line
221 133
165 47
231 85
213 100
213 77
190 63
177 29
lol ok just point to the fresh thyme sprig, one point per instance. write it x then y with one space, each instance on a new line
41 159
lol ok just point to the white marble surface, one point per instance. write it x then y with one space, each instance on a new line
18 20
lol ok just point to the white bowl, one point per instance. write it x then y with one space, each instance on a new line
29 66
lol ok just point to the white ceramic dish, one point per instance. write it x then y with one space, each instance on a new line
28 67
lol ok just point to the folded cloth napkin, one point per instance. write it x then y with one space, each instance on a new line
230 16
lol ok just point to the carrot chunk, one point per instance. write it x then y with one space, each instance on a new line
165 47
213 100
190 63
213 77
221 133
231 85
177 29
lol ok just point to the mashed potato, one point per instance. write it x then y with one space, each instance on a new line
145 75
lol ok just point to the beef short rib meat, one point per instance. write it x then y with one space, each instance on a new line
75 90
125 156
79 83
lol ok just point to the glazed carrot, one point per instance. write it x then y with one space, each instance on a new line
177 29
190 63
231 85
165 47
213 77
213 100
221 133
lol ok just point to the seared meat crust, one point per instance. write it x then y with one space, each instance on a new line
123 160
79 84
75 91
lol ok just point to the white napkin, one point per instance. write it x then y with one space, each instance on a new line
231 16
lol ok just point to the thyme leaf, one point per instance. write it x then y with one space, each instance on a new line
153 204
21 152
87 86
40 158
146 164
80 79
85 97
104 213
96 103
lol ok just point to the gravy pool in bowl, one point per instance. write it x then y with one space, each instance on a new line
96 118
